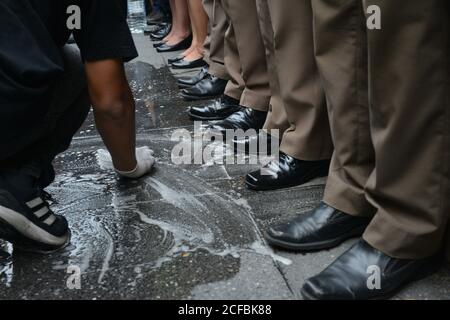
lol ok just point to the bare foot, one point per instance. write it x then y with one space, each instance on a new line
188 52
176 38
166 38
196 54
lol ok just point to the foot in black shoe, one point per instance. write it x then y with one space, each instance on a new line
285 173
161 33
209 87
173 60
182 45
158 44
320 229
187 82
186 64
348 278
259 144
244 119
216 110
27 221
155 18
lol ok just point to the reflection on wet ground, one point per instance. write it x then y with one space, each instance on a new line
188 231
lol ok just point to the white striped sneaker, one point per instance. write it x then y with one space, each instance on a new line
32 226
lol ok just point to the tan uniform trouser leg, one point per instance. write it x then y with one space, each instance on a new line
410 125
276 117
308 136
341 54
276 122
235 86
244 28
215 43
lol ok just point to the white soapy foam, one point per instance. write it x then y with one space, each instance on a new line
108 256
197 224
104 160
7 270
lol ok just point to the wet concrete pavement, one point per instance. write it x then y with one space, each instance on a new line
184 232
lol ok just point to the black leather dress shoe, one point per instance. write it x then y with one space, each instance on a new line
244 119
259 144
158 44
182 45
209 87
365 273
186 64
161 33
320 229
187 82
285 173
173 60
155 18
218 109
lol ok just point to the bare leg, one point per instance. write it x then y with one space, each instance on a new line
174 21
199 23
181 23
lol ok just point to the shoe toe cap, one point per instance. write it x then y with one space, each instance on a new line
277 232
253 177
329 285
313 290
198 111
285 232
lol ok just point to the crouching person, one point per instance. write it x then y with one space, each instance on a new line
46 90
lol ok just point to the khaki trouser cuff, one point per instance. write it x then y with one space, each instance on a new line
341 197
402 244
252 100
218 70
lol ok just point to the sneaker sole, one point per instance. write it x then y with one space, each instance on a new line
15 224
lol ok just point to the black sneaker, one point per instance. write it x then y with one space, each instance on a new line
31 225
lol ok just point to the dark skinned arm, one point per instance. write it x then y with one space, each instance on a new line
114 110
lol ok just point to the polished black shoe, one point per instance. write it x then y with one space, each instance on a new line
155 18
187 82
173 60
319 229
156 27
186 64
148 30
244 119
218 109
285 173
158 44
182 45
210 87
365 273
161 33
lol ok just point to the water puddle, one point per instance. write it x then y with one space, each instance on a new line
190 214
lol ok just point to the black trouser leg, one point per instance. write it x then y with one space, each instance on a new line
69 109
